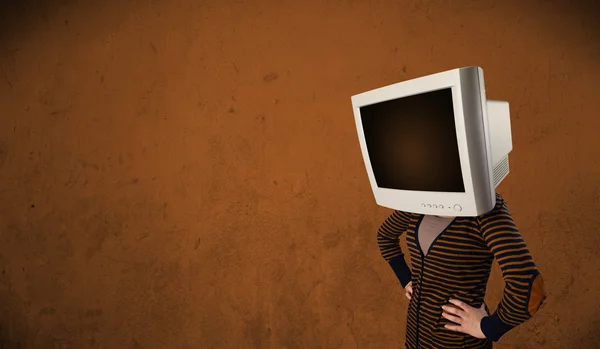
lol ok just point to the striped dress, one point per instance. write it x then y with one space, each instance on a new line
458 266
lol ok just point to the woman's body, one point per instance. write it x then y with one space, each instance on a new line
455 265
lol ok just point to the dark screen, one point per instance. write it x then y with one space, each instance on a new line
412 143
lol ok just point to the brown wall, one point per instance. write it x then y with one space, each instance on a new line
187 174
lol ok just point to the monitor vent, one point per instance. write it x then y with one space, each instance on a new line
500 171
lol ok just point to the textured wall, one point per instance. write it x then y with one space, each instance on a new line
186 174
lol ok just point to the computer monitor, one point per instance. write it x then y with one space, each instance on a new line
435 145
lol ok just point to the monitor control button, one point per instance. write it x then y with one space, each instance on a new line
457 208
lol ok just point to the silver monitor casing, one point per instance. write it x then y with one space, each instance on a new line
483 136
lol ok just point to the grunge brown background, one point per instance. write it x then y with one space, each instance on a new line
187 174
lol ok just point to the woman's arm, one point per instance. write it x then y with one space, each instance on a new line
524 289
388 240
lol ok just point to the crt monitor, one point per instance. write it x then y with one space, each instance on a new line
434 144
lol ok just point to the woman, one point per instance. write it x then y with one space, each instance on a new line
451 259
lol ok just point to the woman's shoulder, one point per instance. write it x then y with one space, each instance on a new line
404 214
499 207
499 201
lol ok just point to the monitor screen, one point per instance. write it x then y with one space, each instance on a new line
412 143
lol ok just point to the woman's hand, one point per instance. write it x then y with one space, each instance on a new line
408 290
467 318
